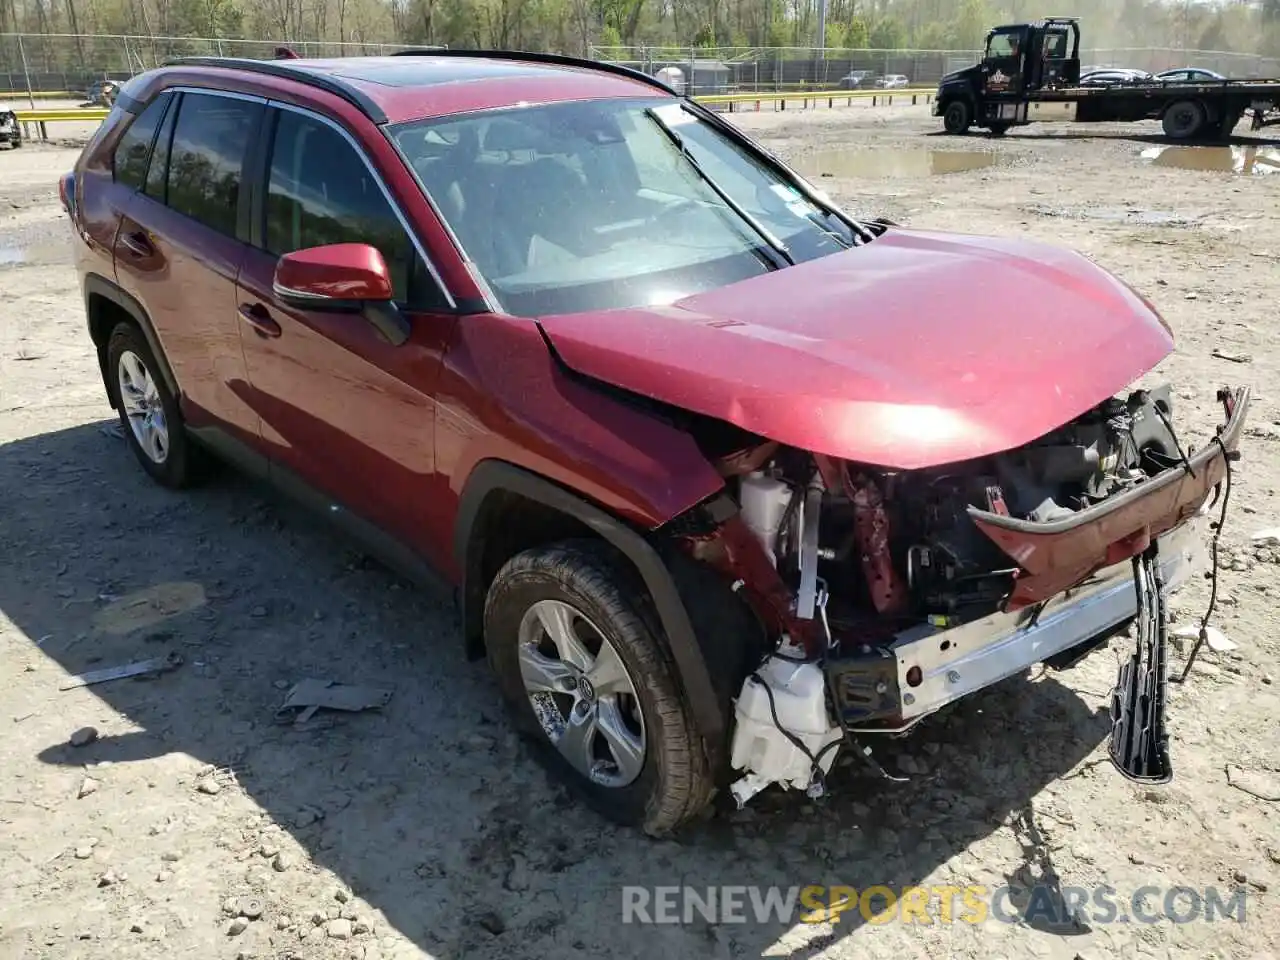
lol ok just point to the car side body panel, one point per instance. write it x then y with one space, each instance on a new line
502 396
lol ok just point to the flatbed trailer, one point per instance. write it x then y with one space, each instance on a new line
1031 74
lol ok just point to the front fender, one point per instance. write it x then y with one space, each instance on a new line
504 397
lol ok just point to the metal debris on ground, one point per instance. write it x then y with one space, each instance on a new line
155 665
1267 538
1215 639
308 696
1260 785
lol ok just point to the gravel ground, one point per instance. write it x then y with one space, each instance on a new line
426 829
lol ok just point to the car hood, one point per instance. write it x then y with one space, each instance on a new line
915 350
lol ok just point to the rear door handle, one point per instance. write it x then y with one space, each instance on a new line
256 316
138 243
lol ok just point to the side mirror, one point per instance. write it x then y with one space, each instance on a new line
342 278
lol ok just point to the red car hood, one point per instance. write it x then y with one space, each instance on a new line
916 350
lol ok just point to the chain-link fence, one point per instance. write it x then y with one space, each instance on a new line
706 70
71 62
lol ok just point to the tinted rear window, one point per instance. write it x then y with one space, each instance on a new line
134 149
206 161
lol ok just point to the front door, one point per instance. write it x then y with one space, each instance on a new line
180 244
342 409
1003 65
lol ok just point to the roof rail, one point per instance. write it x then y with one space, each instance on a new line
290 70
551 59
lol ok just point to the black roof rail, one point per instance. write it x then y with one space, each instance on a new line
289 70
551 59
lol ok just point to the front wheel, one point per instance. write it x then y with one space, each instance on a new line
589 680
957 118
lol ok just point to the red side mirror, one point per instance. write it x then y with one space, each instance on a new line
340 276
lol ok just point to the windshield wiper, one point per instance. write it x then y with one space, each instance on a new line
710 117
777 248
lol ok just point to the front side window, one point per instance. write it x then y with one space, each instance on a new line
1002 45
134 149
206 159
320 191
611 203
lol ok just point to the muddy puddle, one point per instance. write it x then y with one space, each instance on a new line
45 253
1242 160
895 164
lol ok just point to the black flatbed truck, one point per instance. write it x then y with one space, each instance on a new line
1031 74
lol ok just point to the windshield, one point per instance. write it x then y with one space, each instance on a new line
597 205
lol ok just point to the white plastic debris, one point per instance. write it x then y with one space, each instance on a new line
796 693
1215 639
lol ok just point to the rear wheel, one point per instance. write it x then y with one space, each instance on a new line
149 414
589 680
958 117
1183 120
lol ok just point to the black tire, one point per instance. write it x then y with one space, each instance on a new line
998 129
184 463
958 117
674 785
1183 120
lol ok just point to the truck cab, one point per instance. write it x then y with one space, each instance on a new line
1019 59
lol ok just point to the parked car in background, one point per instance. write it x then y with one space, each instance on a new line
1113 75
1190 75
712 509
858 80
10 129
892 81
102 93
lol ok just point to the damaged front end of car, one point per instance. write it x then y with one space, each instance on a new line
888 594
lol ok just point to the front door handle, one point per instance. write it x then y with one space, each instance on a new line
256 316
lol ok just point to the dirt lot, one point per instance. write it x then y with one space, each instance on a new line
428 825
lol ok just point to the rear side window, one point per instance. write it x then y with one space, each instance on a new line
206 159
134 149
320 191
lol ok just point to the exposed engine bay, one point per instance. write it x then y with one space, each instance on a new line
904 544
863 555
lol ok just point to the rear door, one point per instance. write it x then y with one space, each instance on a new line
348 413
179 247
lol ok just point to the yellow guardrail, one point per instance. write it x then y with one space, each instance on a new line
41 95
52 116
40 118
902 94
815 94
816 97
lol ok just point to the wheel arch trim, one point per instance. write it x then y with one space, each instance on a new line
491 476
96 285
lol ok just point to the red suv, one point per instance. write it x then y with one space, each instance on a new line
725 478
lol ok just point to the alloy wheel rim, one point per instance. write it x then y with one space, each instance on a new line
141 402
582 693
